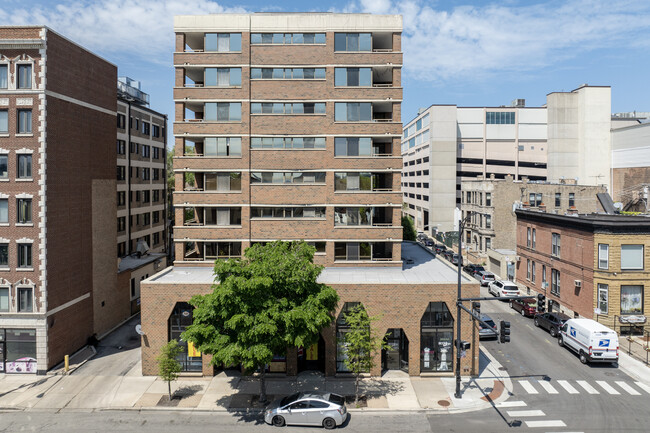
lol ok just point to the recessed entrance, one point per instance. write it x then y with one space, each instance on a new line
313 357
396 355
181 317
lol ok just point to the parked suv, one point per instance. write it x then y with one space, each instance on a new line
527 307
485 277
502 288
551 321
473 269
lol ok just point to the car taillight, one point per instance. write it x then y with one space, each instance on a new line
590 347
341 410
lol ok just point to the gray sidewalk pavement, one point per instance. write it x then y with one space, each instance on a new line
394 391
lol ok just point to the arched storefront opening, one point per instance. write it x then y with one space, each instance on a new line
396 355
341 328
436 338
312 358
181 317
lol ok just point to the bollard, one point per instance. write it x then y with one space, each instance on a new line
66 363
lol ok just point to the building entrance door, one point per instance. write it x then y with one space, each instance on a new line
313 357
396 355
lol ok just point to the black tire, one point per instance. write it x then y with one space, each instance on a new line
511 305
583 357
560 341
553 332
329 423
523 313
536 322
278 421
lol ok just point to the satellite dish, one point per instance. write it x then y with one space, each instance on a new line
138 329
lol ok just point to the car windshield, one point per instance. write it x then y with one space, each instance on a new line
479 268
290 398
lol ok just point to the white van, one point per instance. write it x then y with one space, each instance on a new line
592 341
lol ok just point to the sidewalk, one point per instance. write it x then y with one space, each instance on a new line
395 391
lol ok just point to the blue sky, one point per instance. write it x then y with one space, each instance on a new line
469 53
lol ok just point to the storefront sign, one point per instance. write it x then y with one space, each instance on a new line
632 319
22 365
312 353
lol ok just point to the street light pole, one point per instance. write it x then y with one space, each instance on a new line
461 226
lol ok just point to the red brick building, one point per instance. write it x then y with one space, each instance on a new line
57 197
288 126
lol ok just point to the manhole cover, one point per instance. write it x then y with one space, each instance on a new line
443 403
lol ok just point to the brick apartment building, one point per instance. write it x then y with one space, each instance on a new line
582 263
288 126
57 197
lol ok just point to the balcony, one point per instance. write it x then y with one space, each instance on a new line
363 251
211 216
217 182
363 182
363 216
210 251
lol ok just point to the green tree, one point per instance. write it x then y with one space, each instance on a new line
261 304
408 231
168 366
360 344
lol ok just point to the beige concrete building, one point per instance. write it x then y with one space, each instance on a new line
631 165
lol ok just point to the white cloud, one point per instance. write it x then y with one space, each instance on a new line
125 28
478 41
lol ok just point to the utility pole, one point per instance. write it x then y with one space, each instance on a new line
461 226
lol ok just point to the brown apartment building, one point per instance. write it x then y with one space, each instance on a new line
57 197
288 126
595 266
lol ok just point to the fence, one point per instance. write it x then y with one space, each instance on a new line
635 340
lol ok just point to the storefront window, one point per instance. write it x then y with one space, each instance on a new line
436 338
341 329
179 320
20 350
631 299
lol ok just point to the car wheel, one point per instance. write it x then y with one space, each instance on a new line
583 357
329 423
523 312
512 305
560 341
553 332
536 322
278 421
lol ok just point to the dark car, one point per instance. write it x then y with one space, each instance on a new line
429 243
473 269
448 254
551 321
484 332
454 259
441 248
526 307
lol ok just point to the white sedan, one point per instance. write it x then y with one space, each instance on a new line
501 288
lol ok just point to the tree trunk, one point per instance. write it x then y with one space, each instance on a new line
169 389
263 398
356 390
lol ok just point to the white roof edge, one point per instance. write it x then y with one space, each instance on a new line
288 22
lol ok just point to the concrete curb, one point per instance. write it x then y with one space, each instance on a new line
634 368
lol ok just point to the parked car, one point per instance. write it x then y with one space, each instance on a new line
441 248
552 322
526 307
485 277
327 410
502 288
484 332
592 341
429 243
422 236
448 254
455 259
473 269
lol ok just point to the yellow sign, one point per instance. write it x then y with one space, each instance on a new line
192 351
312 353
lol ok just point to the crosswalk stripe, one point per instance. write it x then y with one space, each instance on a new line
518 413
568 387
549 423
607 387
511 404
548 387
530 389
590 389
627 388
643 386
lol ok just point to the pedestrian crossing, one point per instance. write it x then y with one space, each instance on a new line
619 387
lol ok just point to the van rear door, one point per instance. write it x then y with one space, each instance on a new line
604 345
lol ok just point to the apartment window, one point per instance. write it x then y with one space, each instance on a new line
24 76
156 153
222 182
288 142
121 121
353 216
572 199
287 38
499 118
528 269
288 212
488 222
543 276
25 299
354 182
555 282
353 111
146 173
352 42
288 73
223 216
4 122
121 147
146 151
488 199
146 128
288 108
534 240
133 147
4 81
121 224
24 121
24 210
222 250
156 195
146 196
4 211
24 255
631 257
558 199
555 244
4 298
222 42
352 146
280 177
603 298
488 243
156 238
222 111
4 255
528 237
603 256
222 77
532 272
155 131
631 299
24 166
121 172
146 219
222 146
353 77
156 173
155 217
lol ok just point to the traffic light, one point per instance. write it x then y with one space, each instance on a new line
541 303
476 306
464 345
504 332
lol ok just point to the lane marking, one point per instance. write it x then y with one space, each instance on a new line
518 413
590 389
549 423
607 387
512 404
627 388
643 386
530 389
548 387
568 387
